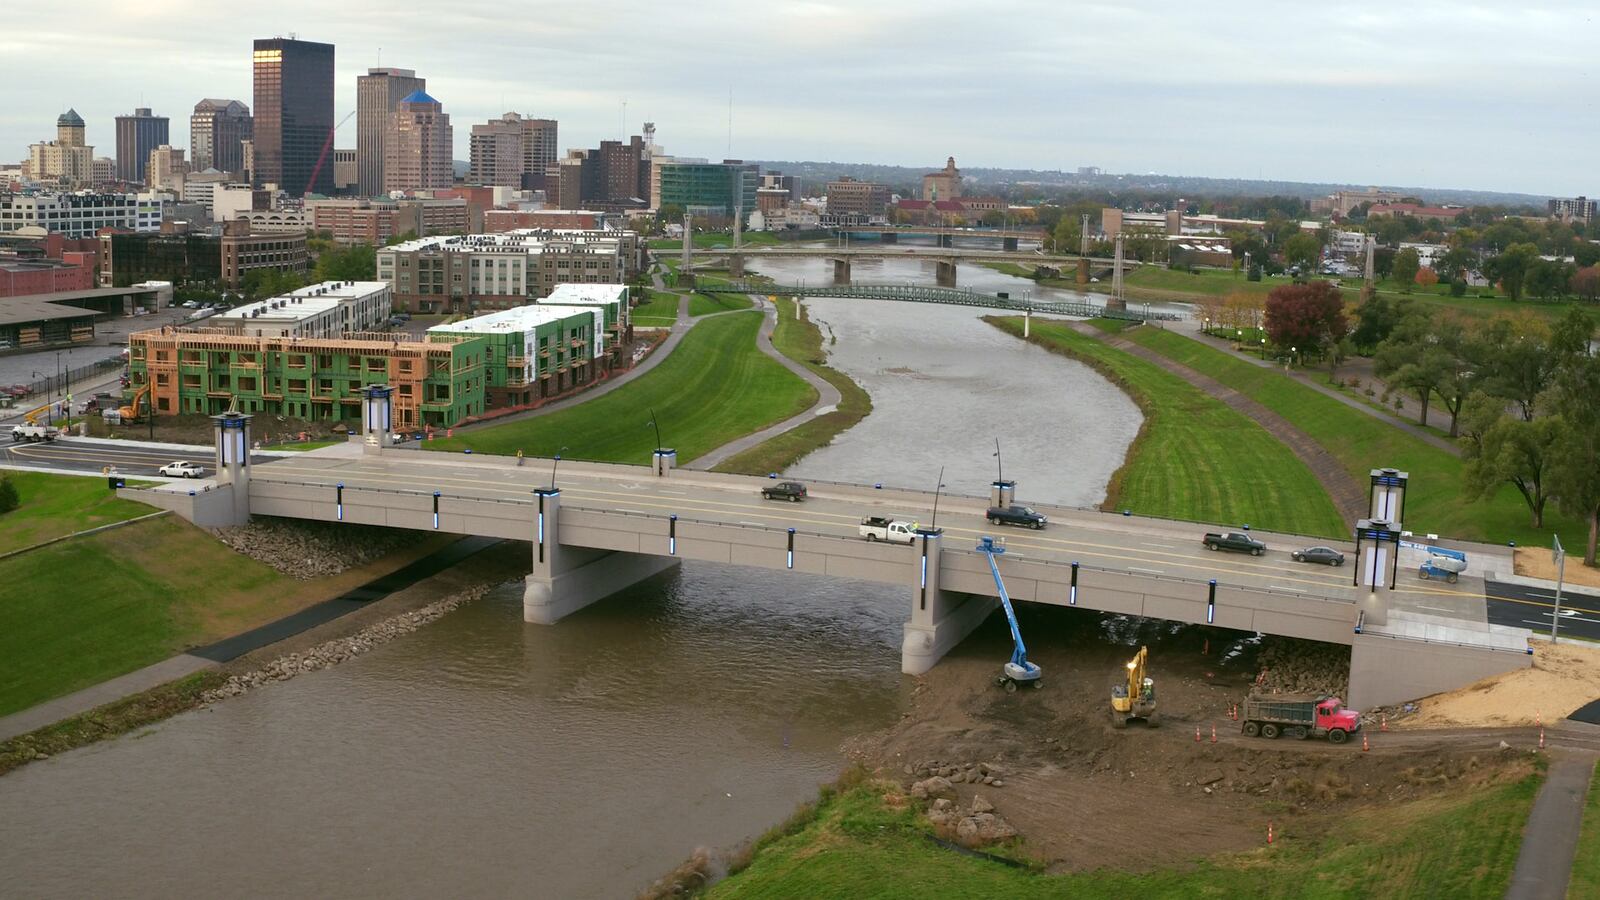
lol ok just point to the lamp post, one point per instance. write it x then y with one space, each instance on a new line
934 525
1263 348
553 463
657 427
999 469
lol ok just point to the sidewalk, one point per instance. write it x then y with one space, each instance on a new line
1550 839
137 681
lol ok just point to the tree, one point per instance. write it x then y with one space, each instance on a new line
1067 235
1456 262
1302 250
1513 359
1585 282
1510 267
354 263
1406 266
1382 262
1428 356
1306 316
1499 449
1575 472
1586 254
9 498
1546 279
1376 319
1426 277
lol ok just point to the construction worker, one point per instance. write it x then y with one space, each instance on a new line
519 456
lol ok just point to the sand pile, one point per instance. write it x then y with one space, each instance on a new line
1563 678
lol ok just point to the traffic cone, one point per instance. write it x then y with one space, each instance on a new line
1538 718
1269 832
1383 725
1213 733
1541 738
1364 745
1197 734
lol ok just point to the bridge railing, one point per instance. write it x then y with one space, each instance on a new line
949 296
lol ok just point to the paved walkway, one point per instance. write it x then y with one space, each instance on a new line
1301 376
1550 839
134 682
1348 496
828 397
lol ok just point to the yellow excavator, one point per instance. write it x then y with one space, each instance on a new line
1134 700
129 414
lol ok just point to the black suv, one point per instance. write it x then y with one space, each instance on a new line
793 491
1023 516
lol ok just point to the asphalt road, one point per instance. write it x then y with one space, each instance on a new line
68 455
1532 607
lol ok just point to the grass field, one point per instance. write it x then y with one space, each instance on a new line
798 338
659 307
91 608
705 304
301 447
715 387
853 845
1586 862
54 505
1362 443
1195 458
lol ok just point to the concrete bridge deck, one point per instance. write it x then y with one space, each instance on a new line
610 525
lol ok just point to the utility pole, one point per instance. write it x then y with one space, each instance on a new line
1561 577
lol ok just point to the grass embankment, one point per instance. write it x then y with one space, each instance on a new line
715 387
91 608
1362 443
1018 270
1586 862
56 505
659 309
798 338
856 845
303 446
1194 458
119 717
705 304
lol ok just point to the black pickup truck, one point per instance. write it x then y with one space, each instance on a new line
1235 541
1023 516
793 491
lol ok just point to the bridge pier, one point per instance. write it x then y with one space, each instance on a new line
945 273
736 265
1009 243
841 270
567 579
1083 270
233 469
940 619
889 237
947 240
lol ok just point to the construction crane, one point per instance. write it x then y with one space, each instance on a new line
1018 671
326 147
1135 699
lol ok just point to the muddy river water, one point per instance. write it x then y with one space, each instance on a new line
482 756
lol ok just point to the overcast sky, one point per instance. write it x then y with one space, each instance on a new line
1443 94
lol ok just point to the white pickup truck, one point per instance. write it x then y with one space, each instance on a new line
34 433
878 528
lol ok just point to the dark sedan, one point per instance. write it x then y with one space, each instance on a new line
1325 555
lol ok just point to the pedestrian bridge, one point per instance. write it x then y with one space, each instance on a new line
946 296
594 529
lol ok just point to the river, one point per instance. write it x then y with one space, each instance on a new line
482 756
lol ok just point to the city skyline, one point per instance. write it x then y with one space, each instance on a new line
1363 94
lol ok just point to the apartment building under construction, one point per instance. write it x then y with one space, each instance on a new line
438 382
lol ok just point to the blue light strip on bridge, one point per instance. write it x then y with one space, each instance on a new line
1072 592
338 500
1211 604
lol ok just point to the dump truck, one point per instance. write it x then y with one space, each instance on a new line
1299 716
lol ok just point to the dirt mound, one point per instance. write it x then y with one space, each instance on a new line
1562 679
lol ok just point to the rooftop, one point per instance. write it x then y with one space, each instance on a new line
524 239
19 310
518 318
586 293
418 96
307 301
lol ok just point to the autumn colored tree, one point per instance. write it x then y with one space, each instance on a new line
1308 316
1427 277
1586 283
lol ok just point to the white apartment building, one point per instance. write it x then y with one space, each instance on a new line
327 310
504 269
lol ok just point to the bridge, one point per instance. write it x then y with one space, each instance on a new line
945 258
944 236
603 527
946 296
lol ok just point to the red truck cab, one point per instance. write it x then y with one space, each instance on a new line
1332 715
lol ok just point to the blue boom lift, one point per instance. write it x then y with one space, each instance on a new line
1018 671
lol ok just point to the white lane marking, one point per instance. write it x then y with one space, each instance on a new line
1160 546
1280 587
675 493
1147 571
637 512
754 524
1435 608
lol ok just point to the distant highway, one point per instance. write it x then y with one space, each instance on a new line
75 456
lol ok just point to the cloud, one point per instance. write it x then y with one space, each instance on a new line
1462 95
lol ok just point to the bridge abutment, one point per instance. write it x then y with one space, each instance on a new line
940 619
567 579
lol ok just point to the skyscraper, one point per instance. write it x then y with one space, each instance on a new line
508 150
217 130
67 160
137 135
294 115
416 150
377 94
